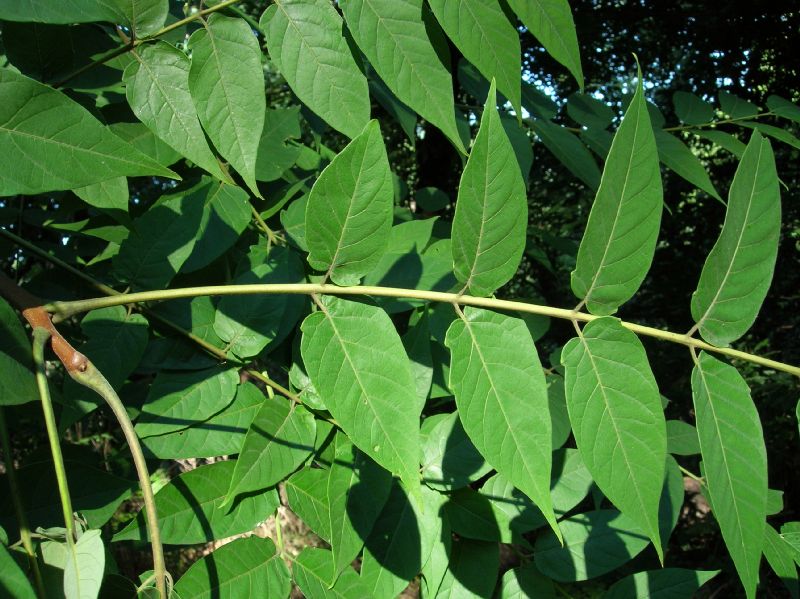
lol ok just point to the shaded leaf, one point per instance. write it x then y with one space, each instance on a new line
17 381
691 109
669 583
780 556
83 570
589 111
677 156
568 149
724 140
472 570
526 581
275 156
736 107
682 438
449 459
12 579
784 108
313 573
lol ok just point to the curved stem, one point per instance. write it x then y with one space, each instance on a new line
63 310
92 378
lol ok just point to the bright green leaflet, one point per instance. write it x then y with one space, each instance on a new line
481 30
550 21
13 580
620 238
162 240
594 543
244 568
677 156
491 211
615 409
226 81
524 582
501 397
357 363
305 40
779 555
55 143
17 382
222 434
157 88
313 571
83 570
280 439
692 110
669 583
341 503
472 570
189 508
449 459
393 36
349 210
178 400
735 461
738 271
567 147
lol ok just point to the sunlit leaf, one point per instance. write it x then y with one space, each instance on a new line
83 571
313 572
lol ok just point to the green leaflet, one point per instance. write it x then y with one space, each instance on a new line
245 567
55 143
567 147
83 570
669 583
305 40
157 88
313 571
620 238
226 81
524 582
491 211
682 438
275 156
773 132
738 271
178 400
189 508
250 323
280 438
222 434
724 140
692 110
340 503
405 117
473 516
449 459
736 107
357 363
589 111
501 397
779 555
349 210
472 570
482 31
615 409
17 382
110 195
550 21
677 156
782 107
161 241
734 460
394 37
12 579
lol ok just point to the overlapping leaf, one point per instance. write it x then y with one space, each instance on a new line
83 571
313 571
677 156
349 210
502 400
357 363
395 39
226 81
669 583
491 211
305 40
567 147
734 460
738 271
620 237
17 383
615 409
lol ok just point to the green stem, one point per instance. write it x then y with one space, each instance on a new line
16 497
720 122
692 475
92 378
40 338
64 310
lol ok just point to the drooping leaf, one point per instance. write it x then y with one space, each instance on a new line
568 149
724 140
669 583
178 400
491 211
502 399
677 156
482 32
188 508
405 116
537 102
589 111
393 36
735 461
691 109
55 143
17 382
12 579
280 438
222 434
774 132
249 566
83 571
357 363
349 210
226 81
526 581
780 557
620 237
738 271
157 88
313 572
615 409
305 41
550 21
449 459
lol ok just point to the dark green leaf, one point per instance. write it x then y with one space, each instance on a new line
736 107
568 149
110 195
449 459
773 132
669 583
691 109
780 557
724 140
313 572
588 111
472 571
17 382
784 108
682 438
13 582
677 156
406 117
524 582
274 155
